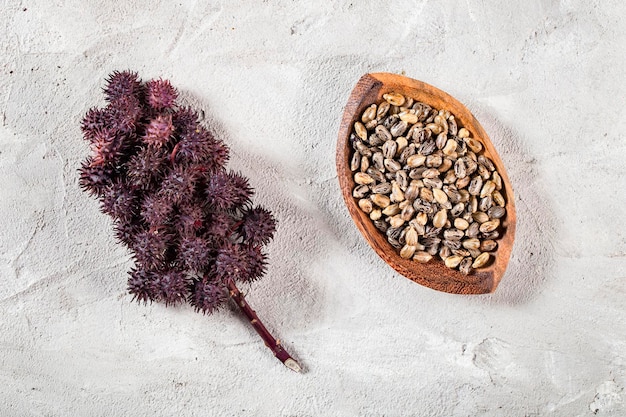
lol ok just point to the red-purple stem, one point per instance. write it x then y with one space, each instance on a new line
274 345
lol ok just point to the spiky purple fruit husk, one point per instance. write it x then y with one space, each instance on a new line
161 94
187 221
258 226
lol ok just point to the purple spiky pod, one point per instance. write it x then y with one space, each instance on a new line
179 185
122 84
126 230
230 262
228 190
106 146
160 94
141 285
207 296
95 178
125 114
185 120
119 201
254 264
220 225
191 219
158 131
194 146
147 167
156 211
194 253
258 226
150 247
94 121
170 286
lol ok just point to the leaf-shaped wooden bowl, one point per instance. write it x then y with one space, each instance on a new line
434 274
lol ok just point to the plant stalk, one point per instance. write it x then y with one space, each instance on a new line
273 344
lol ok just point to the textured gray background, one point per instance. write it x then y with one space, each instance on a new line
546 80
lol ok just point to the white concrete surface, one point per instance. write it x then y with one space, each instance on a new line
545 78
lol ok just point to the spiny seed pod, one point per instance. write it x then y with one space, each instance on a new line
161 94
187 221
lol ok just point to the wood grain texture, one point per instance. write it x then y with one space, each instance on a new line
434 274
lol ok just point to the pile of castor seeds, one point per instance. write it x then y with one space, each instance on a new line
426 183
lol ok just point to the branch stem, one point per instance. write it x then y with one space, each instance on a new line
273 344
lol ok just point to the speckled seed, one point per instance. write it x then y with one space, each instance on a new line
360 191
452 126
355 163
422 257
378 159
461 224
392 165
412 191
440 196
488 245
497 180
396 193
453 261
391 210
366 205
410 118
486 162
383 133
434 160
363 179
390 148
402 143
481 260
474 145
450 147
465 267
395 99
497 198
471 243
410 237
453 234
430 173
369 114
380 200
488 188
407 251
421 219
398 129
485 203
439 220
480 217
472 230
407 211
383 109
475 185
365 163
496 212
382 188
446 164
489 226
376 214
360 130
460 170
376 174
415 161
396 221
463 133
462 182
426 194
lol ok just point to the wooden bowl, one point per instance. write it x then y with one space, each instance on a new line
434 274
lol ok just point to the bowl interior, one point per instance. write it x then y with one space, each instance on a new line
434 274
